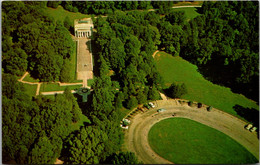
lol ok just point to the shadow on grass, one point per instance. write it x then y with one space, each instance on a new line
250 114
227 75
198 10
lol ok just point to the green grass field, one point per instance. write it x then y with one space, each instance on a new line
176 69
47 87
184 141
83 118
28 78
190 12
90 82
30 89
60 14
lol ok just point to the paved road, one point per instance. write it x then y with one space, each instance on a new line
136 138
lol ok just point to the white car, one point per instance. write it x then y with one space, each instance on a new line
151 104
249 126
253 129
124 127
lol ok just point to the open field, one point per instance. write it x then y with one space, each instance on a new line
176 69
83 119
184 141
60 14
28 78
190 12
30 89
188 3
47 87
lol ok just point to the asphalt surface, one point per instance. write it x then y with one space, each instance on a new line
136 137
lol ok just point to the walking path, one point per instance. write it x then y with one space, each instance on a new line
51 92
155 53
84 60
136 137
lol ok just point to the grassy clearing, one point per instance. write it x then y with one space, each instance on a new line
60 14
28 78
176 69
83 119
188 3
190 12
184 141
47 87
30 89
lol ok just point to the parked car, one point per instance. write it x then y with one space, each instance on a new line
249 126
151 104
161 110
253 129
147 106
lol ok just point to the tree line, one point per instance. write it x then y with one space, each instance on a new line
222 41
37 130
108 7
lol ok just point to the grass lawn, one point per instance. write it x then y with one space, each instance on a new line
184 141
47 87
30 89
83 119
28 78
60 14
190 12
90 82
188 3
176 69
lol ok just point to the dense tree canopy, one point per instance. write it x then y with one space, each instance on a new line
33 41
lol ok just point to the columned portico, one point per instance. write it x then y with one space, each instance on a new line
83 28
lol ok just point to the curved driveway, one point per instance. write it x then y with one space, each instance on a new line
136 138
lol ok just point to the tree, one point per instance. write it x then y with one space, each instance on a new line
177 90
124 158
42 152
53 4
67 23
132 102
176 17
65 74
117 54
15 61
86 146
153 94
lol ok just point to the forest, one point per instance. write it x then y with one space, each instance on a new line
222 41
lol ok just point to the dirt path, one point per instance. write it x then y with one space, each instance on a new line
155 53
136 138
55 92
163 96
175 7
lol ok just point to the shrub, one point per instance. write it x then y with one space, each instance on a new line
209 108
199 105
177 90
132 102
190 103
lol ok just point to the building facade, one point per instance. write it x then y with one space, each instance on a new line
83 27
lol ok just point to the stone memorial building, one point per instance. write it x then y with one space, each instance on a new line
83 27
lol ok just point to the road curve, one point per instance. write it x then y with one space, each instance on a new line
136 137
